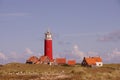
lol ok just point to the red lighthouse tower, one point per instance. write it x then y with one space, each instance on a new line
48 45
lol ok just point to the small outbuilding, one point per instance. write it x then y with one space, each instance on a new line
32 60
92 62
44 60
71 62
60 61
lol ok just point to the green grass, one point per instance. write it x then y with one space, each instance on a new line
18 71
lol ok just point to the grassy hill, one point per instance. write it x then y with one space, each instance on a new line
18 71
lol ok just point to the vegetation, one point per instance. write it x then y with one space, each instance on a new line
18 71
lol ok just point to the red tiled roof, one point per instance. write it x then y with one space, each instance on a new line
98 59
43 58
52 60
33 59
61 60
93 60
71 62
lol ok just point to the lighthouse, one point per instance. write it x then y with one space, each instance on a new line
48 45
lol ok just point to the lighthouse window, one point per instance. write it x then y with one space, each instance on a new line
49 36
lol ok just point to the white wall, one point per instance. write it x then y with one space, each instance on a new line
99 64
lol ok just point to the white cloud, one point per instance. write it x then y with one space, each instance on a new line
84 34
116 52
77 52
79 55
113 56
16 57
2 56
19 57
28 51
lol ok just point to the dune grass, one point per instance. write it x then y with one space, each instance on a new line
18 71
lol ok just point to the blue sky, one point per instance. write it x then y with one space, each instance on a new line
80 28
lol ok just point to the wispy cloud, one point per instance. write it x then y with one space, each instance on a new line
28 51
13 14
20 57
116 51
84 34
76 53
113 56
16 57
113 36
3 56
